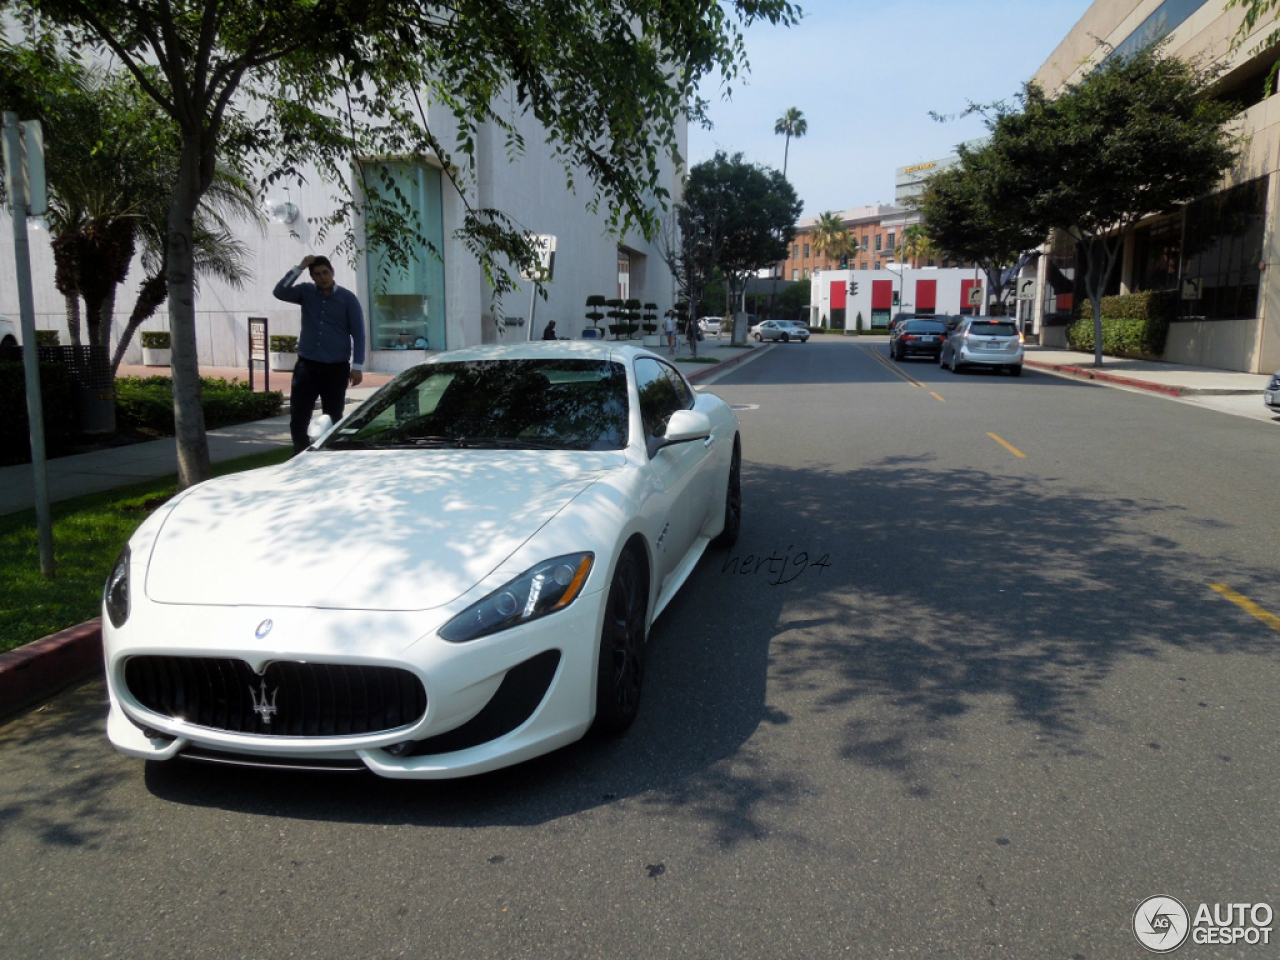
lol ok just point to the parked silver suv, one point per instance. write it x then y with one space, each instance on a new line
983 342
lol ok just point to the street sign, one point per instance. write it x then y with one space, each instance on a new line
546 247
975 296
1191 289
1027 289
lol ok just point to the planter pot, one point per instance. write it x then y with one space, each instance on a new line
283 361
155 356
653 339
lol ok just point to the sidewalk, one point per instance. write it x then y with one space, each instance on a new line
1171 379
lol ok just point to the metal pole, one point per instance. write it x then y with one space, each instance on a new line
30 358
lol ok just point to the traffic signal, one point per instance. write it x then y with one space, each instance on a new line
844 262
853 287
897 298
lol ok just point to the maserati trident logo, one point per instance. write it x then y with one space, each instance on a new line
263 707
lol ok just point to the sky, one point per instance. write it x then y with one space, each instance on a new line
867 75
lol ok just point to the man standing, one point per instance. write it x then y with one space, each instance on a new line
330 346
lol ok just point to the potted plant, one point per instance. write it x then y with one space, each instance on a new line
155 348
594 313
617 324
650 326
631 316
283 352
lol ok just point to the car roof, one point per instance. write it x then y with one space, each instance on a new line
544 349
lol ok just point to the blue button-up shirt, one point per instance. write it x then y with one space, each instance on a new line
332 324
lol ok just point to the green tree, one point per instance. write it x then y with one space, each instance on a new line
794 300
830 236
1137 136
791 124
970 217
610 81
738 217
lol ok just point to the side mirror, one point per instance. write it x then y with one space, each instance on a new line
686 425
318 427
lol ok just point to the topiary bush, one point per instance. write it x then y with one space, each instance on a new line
1133 324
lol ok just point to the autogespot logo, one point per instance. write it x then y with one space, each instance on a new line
1161 924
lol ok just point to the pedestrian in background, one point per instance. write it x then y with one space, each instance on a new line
330 345
669 331
549 331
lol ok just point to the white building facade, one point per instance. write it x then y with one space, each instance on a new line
441 303
838 298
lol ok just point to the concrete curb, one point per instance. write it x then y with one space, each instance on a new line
36 671
1088 373
707 369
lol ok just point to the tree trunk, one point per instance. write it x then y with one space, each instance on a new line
73 317
188 414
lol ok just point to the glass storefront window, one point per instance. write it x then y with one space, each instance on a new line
407 292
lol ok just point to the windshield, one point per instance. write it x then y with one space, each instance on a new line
569 404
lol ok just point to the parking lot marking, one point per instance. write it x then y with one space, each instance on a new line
1008 446
1244 603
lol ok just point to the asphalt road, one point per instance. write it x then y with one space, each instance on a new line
985 702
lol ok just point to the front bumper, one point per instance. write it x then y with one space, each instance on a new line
490 702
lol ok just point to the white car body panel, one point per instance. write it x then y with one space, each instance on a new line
362 556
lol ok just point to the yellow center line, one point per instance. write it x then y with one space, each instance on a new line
1266 616
1008 446
936 397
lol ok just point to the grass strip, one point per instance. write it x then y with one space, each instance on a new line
88 534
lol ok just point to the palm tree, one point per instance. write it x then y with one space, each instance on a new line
916 243
830 236
791 124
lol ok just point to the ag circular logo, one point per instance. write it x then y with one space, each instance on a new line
1161 924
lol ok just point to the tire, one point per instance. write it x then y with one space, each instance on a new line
759 339
9 342
1016 370
955 364
732 501
620 673
786 338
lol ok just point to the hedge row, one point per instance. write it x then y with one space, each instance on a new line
1133 324
56 401
145 404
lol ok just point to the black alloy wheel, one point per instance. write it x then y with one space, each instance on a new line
620 675
732 501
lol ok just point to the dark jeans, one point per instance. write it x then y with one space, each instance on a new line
312 380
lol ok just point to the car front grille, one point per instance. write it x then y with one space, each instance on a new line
290 699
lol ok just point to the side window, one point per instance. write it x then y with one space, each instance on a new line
683 394
658 396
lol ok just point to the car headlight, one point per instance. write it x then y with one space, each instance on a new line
546 588
115 595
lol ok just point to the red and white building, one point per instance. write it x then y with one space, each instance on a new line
840 297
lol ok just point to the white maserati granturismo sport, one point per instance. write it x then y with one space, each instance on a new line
459 575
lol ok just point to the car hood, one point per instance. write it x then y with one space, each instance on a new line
387 530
